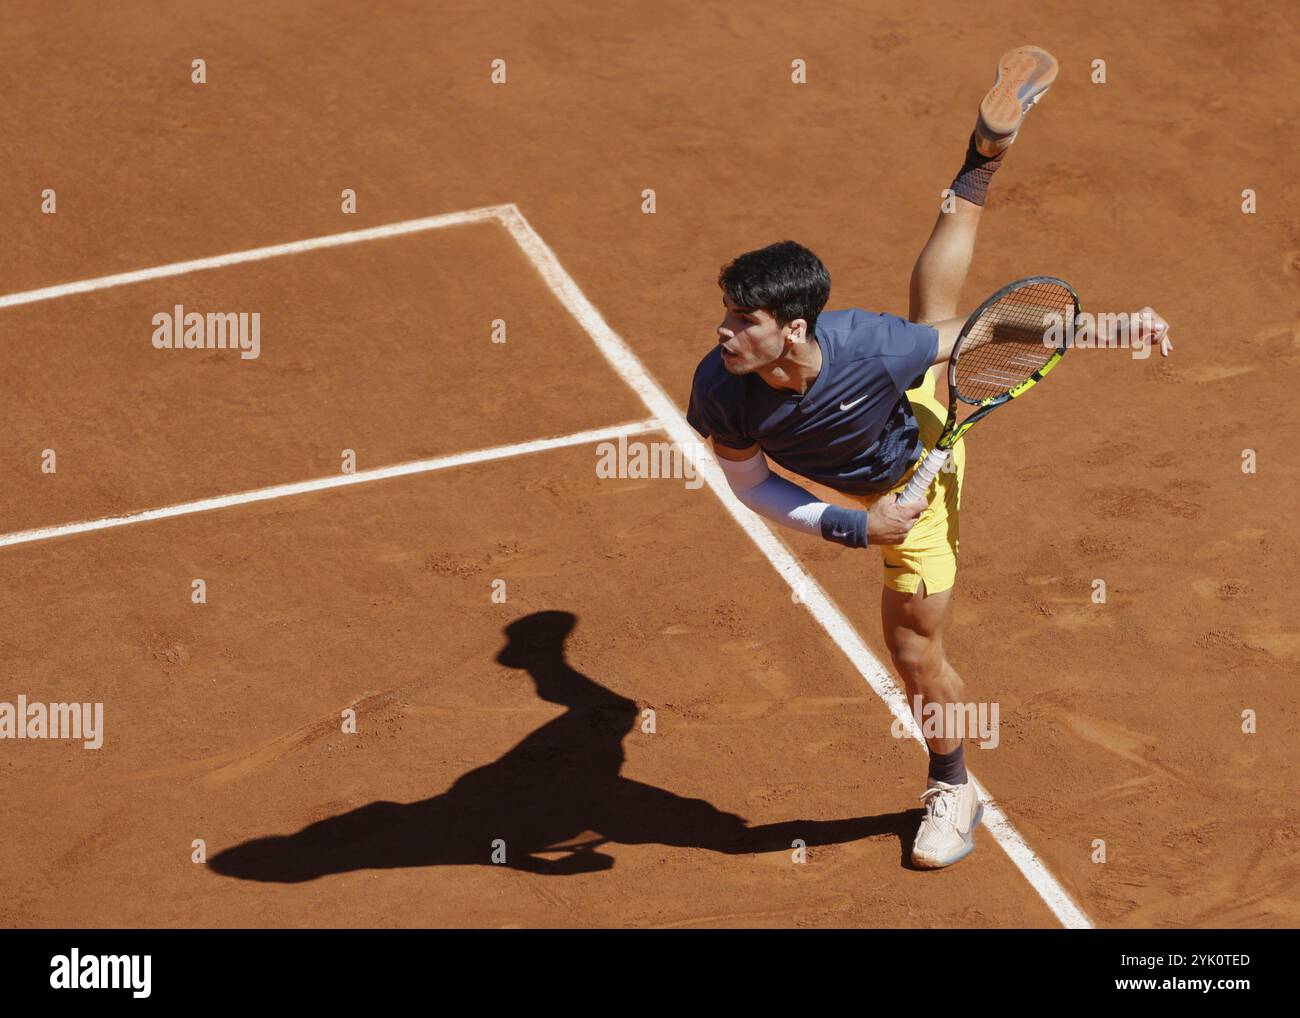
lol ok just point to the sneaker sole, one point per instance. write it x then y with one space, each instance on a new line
1024 74
934 863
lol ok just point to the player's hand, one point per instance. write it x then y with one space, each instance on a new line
1150 329
889 520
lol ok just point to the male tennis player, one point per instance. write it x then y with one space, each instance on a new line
847 399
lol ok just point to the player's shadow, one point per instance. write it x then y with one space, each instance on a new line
557 793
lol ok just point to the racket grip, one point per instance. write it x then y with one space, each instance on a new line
925 474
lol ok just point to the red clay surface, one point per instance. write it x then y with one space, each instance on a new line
1119 721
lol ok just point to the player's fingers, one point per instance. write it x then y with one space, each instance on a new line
911 510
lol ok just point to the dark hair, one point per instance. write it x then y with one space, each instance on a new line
785 279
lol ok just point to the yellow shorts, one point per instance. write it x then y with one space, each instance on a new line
929 552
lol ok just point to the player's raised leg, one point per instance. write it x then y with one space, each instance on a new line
941 268
1023 77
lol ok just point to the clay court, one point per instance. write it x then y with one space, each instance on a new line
524 719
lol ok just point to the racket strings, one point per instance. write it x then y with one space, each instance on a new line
1014 337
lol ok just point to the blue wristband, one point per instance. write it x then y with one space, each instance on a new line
845 526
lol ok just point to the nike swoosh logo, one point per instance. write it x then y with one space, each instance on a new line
974 820
850 406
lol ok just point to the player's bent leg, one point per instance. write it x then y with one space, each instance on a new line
913 627
919 578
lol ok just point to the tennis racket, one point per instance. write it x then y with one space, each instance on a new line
1001 353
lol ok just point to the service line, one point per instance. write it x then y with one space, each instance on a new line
204 505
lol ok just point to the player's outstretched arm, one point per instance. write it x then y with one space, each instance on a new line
784 502
1146 329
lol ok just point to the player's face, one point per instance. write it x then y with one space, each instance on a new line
750 338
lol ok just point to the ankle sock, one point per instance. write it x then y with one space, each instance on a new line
950 768
972 180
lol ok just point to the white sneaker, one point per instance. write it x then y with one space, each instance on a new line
947 834
1023 77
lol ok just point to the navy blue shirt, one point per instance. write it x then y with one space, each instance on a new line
853 430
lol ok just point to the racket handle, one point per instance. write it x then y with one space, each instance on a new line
925 474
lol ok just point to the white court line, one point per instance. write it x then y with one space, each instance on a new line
824 610
256 254
669 417
203 505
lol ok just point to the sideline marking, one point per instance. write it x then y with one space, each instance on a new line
667 417
203 505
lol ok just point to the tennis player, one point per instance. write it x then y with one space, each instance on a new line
847 399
